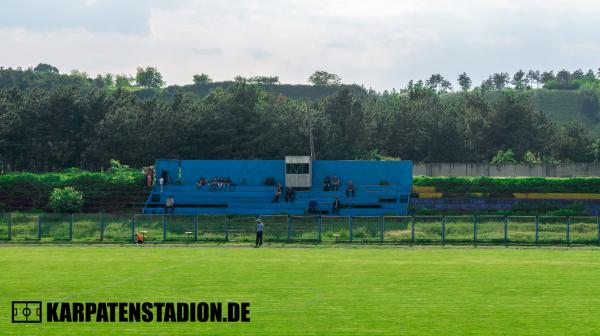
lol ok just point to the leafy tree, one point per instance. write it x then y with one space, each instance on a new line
103 81
267 80
123 81
49 122
563 76
504 157
533 77
519 80
148 77
595 150
66 200
347 130
487 84
321 77
79 74
202 79
577 75
464 81
575 143
45 68
547 76
513 123
500 80
438 83
590 76
531 158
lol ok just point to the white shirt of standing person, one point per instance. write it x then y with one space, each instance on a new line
259 226
161 181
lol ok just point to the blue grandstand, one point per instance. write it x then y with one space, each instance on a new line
381 187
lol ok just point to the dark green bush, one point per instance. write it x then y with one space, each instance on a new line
66 200
503 185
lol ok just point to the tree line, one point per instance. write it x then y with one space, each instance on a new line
62 123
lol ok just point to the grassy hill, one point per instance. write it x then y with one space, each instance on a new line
560 106
563 106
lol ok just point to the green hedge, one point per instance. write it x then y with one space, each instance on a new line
499 185
18 190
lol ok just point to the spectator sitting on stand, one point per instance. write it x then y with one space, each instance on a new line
313 208
337 205
161 182
278 191
350 189
228 183
169 205
213 183
327 183
201 182
335 183
165 176
289 195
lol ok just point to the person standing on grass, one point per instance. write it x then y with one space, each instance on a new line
259 232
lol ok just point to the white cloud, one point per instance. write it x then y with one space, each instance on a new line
381 44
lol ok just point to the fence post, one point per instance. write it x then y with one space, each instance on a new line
101 226
164 227
505 229
382 228
133 228
412 228
196 228
321 227
537 229
350 226
289 228
71 227
39 224
475 229
9 226
226 228
598 222
568 229
443 229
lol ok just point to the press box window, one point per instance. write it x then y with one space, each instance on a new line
296 168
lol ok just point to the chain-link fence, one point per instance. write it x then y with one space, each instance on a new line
103 227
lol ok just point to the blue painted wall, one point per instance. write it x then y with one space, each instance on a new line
244 172
254 172
363 172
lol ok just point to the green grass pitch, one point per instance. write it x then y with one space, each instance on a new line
316 290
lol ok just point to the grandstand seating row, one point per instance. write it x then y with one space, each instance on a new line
258 200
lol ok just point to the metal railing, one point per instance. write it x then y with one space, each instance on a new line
104 227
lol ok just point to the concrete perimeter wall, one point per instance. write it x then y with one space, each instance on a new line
483 169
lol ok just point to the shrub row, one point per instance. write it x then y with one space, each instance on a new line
501 185
28 190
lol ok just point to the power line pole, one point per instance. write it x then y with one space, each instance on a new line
310 133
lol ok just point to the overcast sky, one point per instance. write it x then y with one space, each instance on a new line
379 43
